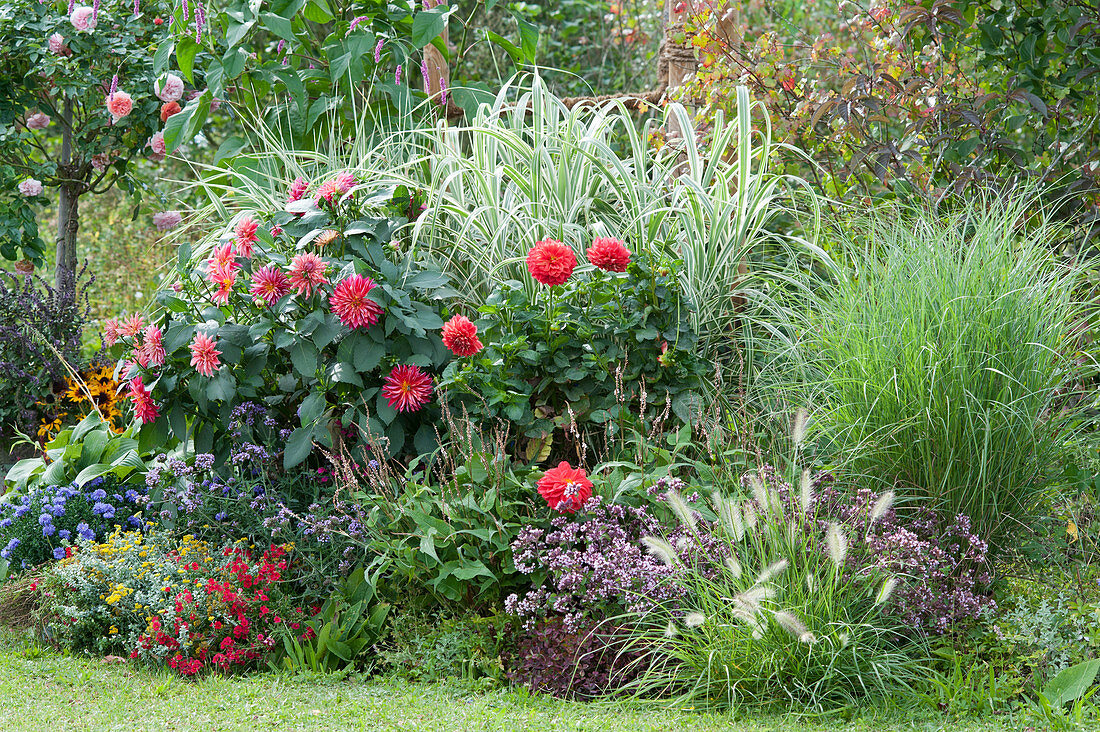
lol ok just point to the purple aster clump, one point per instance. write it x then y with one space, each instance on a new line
41 524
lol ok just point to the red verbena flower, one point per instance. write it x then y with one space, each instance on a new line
407 388
610 255
565 488
551 262
144 407
460 335
269 284
204 355
245 236
307 271
351 304
153 347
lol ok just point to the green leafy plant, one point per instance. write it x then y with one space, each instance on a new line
344 631
565 367
88 450
294 351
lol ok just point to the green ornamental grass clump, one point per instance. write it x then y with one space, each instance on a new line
949 354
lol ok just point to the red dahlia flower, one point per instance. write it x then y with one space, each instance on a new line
352 306
565 488
407 388
551 262
610 255
269 284
460 335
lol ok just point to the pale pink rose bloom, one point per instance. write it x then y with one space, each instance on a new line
166 220
83 18
170 89
38 121
31 187
119 105
157 143
57 44
100 162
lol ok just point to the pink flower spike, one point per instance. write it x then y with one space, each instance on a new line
204 355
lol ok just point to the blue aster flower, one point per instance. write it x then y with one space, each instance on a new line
85 531
49 530
5 553
59 553
105 510
65 534
98 495
45 519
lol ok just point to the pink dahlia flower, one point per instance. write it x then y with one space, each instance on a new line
132 325
245 236
297 189
31 187
307 272
153 346
144 408
169 89
204 355
110 332
407 388
351 304
269 284
83 18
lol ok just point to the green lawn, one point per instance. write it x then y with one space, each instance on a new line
47 691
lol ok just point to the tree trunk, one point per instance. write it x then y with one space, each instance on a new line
67 217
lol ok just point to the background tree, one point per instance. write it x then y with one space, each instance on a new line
81 105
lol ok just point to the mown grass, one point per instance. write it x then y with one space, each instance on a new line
42 690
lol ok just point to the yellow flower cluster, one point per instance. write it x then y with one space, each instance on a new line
96 382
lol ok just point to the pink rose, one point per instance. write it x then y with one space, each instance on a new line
31 188
83 18
170 89
119 105
57 45
38 121
166 220
157 143
100 162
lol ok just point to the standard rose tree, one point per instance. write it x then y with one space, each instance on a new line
85 100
